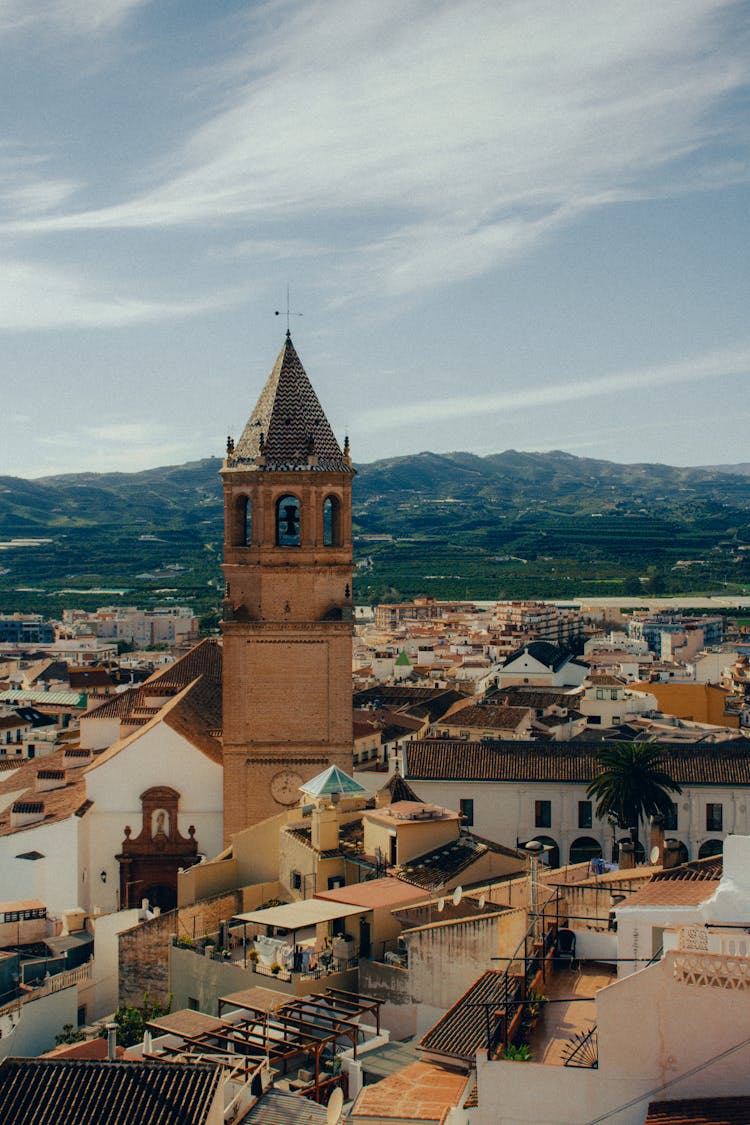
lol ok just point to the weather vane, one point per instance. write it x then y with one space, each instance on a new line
289 313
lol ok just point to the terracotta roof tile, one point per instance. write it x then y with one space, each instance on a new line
418 1092
374 893
700 1111
68 1092
436 759
671 893
463 1029
488 717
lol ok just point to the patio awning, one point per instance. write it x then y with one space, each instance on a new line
298 915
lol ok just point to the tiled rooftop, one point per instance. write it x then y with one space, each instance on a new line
445 759
286 417
462 1031
66 1092
488 717
419 1092
700 1111
436 868
672 892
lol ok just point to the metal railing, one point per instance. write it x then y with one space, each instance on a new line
582 1050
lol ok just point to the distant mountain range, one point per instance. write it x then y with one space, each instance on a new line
190 494
511 524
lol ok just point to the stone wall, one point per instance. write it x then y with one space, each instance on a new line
144 950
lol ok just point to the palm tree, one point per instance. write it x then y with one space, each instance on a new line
633 784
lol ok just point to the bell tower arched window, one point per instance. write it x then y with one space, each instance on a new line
243 522
331 522
288 522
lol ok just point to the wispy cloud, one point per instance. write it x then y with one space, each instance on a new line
466 132
65 16
37 296
714 366
116 446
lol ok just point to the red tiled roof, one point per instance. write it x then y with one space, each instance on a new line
374 893
671 893
487 717
700 1111
454 760
463 1029
68 1092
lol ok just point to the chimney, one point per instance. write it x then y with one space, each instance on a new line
26 812
672 854
111 1042
627 855
325 828
47 779
656 839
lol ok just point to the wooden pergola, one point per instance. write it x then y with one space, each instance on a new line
305 1025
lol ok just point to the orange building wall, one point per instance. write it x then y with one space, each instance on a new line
703 703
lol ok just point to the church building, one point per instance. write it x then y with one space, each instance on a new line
288 606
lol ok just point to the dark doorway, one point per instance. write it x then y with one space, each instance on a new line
364 938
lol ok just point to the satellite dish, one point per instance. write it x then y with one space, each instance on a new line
457 895
654 855
334 1107
441 905
482 901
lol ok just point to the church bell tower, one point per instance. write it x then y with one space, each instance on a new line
288 607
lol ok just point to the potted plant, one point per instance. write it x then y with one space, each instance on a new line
275 969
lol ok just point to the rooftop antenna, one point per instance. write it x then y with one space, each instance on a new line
289 312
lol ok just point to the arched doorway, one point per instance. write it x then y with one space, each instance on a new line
551 857
710 847
584 849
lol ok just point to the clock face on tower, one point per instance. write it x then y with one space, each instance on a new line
285 787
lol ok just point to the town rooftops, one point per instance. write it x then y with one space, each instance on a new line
288 425
559 762
68 1092
547 654
333 782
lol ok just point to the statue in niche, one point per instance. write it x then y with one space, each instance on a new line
160 823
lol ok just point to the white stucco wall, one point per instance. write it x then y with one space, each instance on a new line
159 756
654 1027
52 879
505 811
32 1030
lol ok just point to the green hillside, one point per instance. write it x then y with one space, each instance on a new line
512 524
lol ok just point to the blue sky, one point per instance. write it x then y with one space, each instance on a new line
509 224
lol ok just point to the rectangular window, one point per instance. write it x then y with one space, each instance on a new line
584 814
670 820
296 880
714 817
467 811
543 814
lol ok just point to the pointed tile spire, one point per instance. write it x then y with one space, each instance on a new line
288 421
